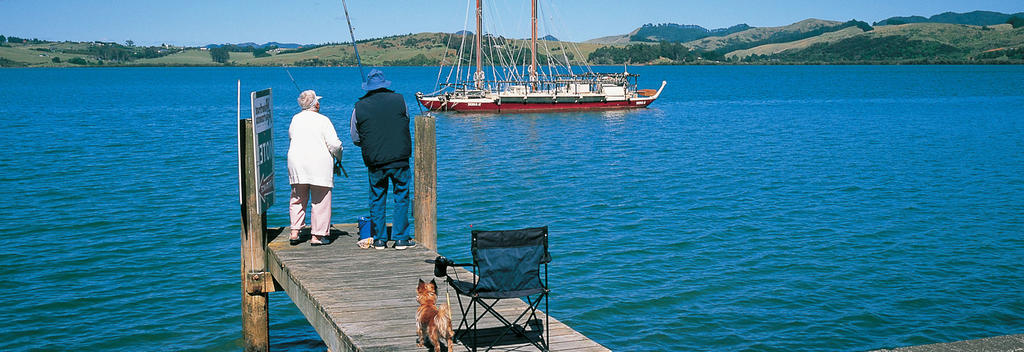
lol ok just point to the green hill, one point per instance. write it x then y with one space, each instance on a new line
976 18
774 48
763 35
672 32
916 43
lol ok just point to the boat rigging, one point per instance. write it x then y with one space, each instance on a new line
512 87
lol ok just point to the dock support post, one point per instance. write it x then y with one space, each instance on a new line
255 315
425 178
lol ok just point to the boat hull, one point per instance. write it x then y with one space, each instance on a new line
506 103
506 106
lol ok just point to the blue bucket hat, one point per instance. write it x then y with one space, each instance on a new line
375 80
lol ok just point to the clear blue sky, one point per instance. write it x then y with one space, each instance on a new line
194 22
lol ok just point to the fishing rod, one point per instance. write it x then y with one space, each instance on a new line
355 47
352 35
337 163
292 78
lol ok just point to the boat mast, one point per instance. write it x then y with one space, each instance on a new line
533 41
478 77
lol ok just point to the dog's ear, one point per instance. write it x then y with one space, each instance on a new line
433 282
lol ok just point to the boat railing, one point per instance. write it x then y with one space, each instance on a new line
592 82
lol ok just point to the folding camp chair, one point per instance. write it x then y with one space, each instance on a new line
506 264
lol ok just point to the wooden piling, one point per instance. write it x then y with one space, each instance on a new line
255 281
425 178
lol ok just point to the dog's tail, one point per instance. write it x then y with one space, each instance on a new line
444 321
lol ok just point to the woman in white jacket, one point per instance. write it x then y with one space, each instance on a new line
311 153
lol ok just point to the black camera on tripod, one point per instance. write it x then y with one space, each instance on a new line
441 265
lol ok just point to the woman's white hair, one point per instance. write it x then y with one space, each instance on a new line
307 99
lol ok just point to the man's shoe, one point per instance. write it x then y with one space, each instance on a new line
379 244
403 244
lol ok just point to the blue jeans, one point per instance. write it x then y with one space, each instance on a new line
399 178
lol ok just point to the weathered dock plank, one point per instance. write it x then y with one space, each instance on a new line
365 299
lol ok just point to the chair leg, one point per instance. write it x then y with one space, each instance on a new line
470 327
530 313
475 321
463 322
514 327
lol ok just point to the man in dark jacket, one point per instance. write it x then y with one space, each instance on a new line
380 127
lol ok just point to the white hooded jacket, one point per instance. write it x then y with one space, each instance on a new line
313 148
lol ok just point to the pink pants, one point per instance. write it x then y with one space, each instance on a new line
320 221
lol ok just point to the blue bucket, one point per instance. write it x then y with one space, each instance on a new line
365 227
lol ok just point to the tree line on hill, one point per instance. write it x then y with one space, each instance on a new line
892 49
644 53
975 18
13 39
1016 22
672 32
222 53
861 49
109 52
785 37
887 50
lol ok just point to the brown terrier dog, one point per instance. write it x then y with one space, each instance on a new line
432 321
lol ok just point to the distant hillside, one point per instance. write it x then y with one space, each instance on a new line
613 39
774 48
259 46
816 41
976 18
915 43
768 35
671 32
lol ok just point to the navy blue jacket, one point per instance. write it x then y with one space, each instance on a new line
381 129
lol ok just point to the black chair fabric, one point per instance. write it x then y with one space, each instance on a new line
509 261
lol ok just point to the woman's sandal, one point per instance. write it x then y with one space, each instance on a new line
294 240
320 240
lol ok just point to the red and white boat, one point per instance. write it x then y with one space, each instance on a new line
518 87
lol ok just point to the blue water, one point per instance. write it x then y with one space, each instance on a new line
750 208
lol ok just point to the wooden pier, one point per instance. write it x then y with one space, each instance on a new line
365 299
359 299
